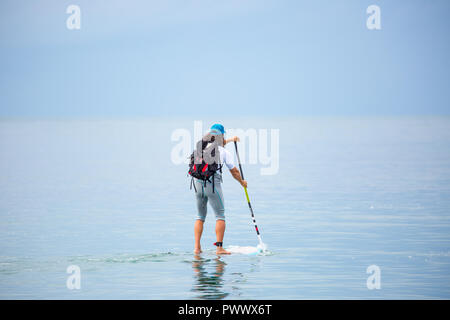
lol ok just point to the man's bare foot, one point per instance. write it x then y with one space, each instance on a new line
221 250
197 250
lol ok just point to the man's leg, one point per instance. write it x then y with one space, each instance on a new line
220 231
198 230
202 202
217 203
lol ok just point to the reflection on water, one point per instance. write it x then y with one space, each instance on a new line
208 282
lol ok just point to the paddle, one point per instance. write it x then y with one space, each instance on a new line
261 244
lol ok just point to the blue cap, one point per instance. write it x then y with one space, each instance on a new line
218 127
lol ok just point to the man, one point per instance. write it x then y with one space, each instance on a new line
212 193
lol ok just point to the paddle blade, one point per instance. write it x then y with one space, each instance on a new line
262 247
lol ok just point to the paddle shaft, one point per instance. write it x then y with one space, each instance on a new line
246 193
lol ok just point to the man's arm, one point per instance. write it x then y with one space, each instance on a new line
235 138
235 173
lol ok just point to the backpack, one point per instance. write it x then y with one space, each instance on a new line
198 167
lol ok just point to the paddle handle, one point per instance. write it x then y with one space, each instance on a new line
246 195
239 162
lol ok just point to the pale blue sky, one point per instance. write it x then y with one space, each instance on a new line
224 57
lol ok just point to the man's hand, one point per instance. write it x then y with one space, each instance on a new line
234 139
235 173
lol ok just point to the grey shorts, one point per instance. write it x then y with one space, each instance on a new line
205 194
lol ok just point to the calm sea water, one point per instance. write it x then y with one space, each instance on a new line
104 195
